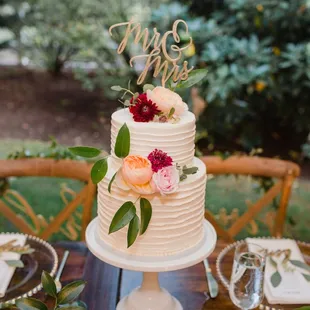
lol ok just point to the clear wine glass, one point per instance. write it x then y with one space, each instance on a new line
247 277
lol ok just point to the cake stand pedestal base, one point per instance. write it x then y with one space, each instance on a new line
149 296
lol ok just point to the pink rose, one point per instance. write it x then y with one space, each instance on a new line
166 99
166 180
137 170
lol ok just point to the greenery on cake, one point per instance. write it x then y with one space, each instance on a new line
158 104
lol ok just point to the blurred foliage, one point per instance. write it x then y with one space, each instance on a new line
54 150
12 18
258 56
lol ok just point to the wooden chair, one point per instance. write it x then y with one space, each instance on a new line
76 170
284 171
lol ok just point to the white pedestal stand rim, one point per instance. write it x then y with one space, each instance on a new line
150 296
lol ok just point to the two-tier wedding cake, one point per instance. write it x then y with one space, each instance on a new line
151 190
161 168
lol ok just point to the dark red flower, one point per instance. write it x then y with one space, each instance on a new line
159 160
142 109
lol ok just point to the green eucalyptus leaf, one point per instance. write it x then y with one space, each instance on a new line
15 263
306 276
133 231
122 144
146 214
48 284
85 151
171 112
191 170
99 170
300 264
30 304
123 216
117 88
111 182
276 279
194 77
70 292
183 177
148 87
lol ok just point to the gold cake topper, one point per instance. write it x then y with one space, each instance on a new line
156 46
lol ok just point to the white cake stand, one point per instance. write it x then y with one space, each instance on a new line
150 296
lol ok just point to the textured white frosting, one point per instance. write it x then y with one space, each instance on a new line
177 219
178 140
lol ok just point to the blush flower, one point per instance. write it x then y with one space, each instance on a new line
166 180
166 99
137 170
143 109
136 174
159 160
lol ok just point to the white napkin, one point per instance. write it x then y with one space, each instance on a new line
294 288
6 272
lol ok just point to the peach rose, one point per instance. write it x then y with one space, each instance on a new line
136 174
166 99
166 180
137 170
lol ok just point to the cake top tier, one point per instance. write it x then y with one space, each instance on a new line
176 139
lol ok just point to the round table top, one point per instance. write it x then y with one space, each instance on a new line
150 264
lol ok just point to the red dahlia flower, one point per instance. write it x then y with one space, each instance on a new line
159 160
143 110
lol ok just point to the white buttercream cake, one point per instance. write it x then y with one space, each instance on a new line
177 219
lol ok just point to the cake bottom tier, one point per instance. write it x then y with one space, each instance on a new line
177 219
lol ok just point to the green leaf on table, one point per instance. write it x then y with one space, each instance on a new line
48 284
77 305
85 151
122 144
146 214
300 264
99 170
111 182
194 77
303 308
123 216
70 292
133 231
117 88
30 304
15 263
171 112
148 87
276 279
306 276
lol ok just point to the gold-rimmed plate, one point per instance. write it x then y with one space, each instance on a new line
26 281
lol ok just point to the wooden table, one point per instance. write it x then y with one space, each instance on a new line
107 284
